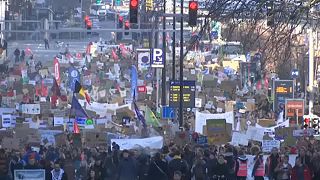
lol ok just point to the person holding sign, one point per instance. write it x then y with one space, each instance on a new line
258 168
283 169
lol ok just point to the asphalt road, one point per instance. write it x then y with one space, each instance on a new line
75 46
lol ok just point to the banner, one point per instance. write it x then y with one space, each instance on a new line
58 121
201 118
6 120
152 143
143 56
268 145
30 108
36 174
56 66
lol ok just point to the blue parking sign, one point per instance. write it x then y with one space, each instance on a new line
168 112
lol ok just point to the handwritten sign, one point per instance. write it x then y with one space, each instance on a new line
239 139
216 131
268 145
30 108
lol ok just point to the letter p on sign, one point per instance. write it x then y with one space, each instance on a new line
157 58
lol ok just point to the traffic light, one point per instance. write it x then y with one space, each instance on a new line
89 26
133 12
270 19
306 123
193 13
126 27
120 22
315 125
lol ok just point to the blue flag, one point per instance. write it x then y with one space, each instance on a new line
134 82
76 108
74 76
138 113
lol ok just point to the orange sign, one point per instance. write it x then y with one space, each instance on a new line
294 109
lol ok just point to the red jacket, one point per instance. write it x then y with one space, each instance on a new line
306 173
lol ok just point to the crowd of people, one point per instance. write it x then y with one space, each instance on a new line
170 163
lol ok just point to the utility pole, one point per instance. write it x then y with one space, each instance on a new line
181 68
174 42
311 69
164 53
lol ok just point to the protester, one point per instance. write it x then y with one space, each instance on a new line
58 173
258 171
271 164
4 165
301 171
242 168
158 169
178 164
283 169
127 169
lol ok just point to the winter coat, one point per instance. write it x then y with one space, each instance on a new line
127 169
306 173
158 170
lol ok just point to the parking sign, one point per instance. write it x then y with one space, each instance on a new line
157 60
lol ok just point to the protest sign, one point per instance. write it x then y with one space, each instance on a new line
152 143
255 134
268 145
34 174
6 120
48 136
303 132
10 143
58 121
201 118
60 139
239 139
30 108
216 131
181 138
94 139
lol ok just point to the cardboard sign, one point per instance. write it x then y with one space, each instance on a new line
60 139
10 143
181 138
95 139
268 145
216 131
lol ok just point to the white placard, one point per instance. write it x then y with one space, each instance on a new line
36 174
149 90
6 120
255 134
239 139
267 145
58 121
198 102
303 132
123 93
152 142
201 119
30 108
48 135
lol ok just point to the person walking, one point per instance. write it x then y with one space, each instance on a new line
242 167
46 43
127 169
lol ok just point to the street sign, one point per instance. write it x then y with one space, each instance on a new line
282 90
157 60
142 89
168 112
294 73
189 89
294 110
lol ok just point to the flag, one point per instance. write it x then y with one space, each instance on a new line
55 88
76 129
138 113
151 119
76 108
79 89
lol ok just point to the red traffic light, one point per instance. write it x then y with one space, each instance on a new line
86 18
120 18
193 5
134 3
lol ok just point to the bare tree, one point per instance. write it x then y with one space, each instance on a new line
246 21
